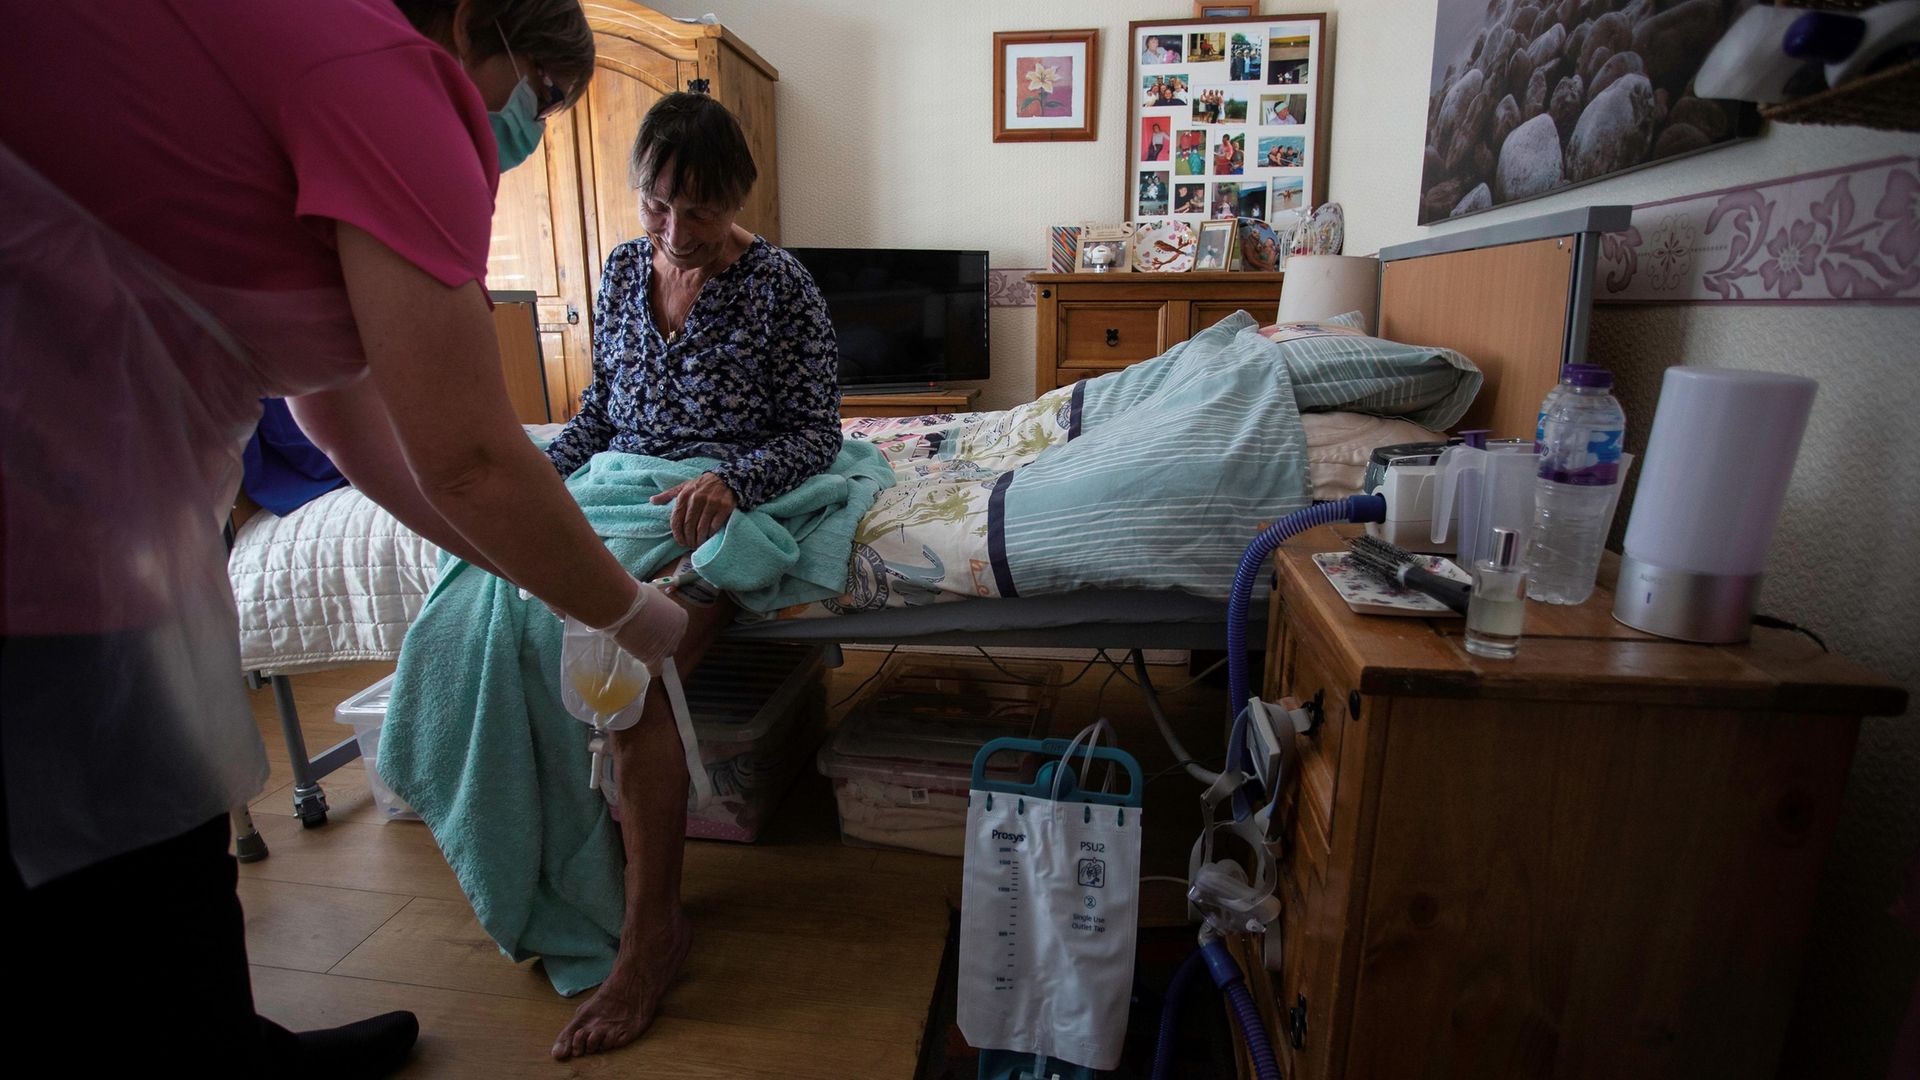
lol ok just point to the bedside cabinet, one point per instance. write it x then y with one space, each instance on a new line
1090 324
1598 859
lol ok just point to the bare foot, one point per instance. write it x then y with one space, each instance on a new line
624 1006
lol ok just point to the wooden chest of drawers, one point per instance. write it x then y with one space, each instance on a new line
1598 859
1090 324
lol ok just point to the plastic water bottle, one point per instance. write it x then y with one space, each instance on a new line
1553 395
1579 441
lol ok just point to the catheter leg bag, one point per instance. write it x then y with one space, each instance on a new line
1047 920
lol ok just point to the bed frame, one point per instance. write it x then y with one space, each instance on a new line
1516 298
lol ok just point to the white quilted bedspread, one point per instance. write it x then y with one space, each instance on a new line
337 581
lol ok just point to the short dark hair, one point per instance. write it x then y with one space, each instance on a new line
551 35
699 145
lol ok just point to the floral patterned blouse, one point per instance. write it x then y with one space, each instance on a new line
752 379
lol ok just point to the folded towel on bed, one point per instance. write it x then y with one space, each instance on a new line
476 739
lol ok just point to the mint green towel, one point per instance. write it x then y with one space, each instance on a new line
477 742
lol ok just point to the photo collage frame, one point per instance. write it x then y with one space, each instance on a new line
1227 118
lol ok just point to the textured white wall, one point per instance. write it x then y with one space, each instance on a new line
886 136
886 140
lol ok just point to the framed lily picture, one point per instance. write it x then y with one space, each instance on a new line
1043 85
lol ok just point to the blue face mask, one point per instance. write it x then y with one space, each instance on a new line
517 127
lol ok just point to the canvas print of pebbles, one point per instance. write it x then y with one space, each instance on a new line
1530 96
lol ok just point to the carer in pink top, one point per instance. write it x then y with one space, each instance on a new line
206 201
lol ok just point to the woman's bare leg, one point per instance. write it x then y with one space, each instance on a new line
651 777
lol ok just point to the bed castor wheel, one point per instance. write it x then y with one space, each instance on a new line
311 806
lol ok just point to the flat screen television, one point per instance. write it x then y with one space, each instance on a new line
904 318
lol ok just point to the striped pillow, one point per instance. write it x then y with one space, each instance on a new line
1335 365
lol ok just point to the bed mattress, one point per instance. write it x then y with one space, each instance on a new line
339 581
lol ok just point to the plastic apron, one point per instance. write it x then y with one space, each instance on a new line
126 395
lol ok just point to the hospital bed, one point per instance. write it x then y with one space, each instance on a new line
339 581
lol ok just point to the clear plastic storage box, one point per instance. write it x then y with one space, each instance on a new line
758 709
902 761
366 712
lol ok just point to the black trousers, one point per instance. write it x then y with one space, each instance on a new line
138 962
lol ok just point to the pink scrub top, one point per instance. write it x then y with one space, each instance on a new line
226 137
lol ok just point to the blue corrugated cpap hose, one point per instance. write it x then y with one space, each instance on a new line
1352 508
1226 975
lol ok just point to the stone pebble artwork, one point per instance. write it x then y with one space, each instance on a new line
1558 92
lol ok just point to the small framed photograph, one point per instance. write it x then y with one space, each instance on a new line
1225 11
1214 249
1283 151
1280 110
1289 193
1105 249
1241 200
1160 49
1163 91
1043 85
1153 194
1288 60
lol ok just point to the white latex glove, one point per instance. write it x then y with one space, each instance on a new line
605 671
652 628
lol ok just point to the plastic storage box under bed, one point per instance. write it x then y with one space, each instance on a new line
758 709
902 760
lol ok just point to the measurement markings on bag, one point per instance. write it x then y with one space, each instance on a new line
1011 890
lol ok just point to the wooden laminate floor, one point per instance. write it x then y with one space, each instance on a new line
810 958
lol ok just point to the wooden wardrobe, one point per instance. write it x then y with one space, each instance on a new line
561 212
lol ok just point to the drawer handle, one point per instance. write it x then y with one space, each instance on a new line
1353 704
1113 337
1314 711
1046 294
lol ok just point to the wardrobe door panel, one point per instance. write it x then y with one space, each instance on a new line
537 246
746 89
621 93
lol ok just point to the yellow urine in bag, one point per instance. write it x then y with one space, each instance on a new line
607 694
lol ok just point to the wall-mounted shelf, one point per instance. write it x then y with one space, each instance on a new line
1889 100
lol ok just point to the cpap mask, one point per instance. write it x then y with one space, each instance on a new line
1220 894
605 687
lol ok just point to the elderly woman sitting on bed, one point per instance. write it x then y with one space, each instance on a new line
708 342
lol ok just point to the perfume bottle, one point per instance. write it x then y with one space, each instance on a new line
1498 607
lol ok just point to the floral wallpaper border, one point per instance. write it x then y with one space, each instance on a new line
1010 288
1846 234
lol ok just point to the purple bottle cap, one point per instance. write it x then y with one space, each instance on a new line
1589 375
1475 437
1823 35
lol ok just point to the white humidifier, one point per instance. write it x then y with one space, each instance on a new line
1715 476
